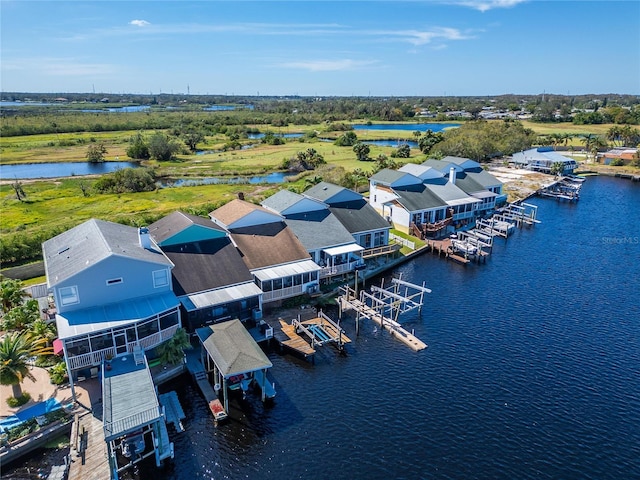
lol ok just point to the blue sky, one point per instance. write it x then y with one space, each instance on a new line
322 48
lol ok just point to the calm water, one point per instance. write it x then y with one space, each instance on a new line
412 127
62 169
275 177
532 371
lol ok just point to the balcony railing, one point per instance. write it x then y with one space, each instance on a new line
381 250
93 359
340 269
282 293
132 422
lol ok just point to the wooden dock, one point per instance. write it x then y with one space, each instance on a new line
88 449
287 336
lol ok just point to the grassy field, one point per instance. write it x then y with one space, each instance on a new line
55 204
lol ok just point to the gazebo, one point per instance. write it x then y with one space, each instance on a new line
234 357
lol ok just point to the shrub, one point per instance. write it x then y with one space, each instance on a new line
58 373
616 162
14 402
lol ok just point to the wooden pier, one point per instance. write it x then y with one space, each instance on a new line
88 449
287 336
374 306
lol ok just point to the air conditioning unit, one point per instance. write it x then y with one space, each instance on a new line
311 289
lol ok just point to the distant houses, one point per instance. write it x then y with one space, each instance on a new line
542 159
435 197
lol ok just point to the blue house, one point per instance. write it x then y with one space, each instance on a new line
113 292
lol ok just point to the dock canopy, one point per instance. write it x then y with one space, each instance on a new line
232 348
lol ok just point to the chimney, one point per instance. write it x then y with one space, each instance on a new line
144 238
452 175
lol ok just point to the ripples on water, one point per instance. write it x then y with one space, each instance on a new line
532 371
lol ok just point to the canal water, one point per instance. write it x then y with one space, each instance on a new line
532 370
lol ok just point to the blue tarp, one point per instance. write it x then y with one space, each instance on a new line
28 413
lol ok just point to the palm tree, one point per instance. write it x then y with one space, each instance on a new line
43 330
172 351
16 349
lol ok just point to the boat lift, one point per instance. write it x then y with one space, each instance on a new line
384 306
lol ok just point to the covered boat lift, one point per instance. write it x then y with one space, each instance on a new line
229 351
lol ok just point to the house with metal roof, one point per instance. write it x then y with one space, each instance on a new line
542 159
328 242
112 287
235 359
279 263
368 227
210 278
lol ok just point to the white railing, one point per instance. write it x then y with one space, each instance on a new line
93 359
402 241
131 422
282 293
340 269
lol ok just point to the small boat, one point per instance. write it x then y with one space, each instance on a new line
217 410
133 445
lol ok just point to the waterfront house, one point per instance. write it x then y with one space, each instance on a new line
617 155
113 292
209 276
368 227
328 242
279 263
542 159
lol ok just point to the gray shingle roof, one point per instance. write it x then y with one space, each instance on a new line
359 216
325 191
282 200
388 176
319 229
91 242
203 266
418 198
232 349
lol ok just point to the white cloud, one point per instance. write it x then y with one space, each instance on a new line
486 5
418 37
139 23
327 65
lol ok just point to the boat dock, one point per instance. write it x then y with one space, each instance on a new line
563 189
304 336
373 306
172 409
88 449
286 335
196 369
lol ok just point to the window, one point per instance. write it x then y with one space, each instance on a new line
168 320
114 281
69 295
160 278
